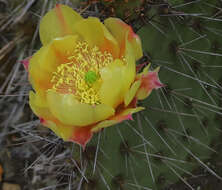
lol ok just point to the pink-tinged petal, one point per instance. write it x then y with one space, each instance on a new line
42 121
122 115
149 82
121 118
82 135
120 30
79 135
126 114
140 66
111 121
133 103
25 63
128 117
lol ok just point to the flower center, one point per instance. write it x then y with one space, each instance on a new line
80 75
90 77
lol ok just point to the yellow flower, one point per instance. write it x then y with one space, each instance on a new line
84 76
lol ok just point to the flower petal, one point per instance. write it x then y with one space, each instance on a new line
149 82
140 66
103 124
117 78
61 130
95 33
40 68
58 22
144 72
44 62
129 71
25 62
132 92
125 114
111 88
81 135
119 30
71 112
39 106
64 47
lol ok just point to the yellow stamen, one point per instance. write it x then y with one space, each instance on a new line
71 77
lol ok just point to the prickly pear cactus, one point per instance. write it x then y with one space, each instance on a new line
173 135
166 141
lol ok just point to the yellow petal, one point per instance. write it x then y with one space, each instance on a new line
64 47
71 112
120 30
38 108
111 88
45 61
117 78
95 33
49 120
131 93
58 22
61 130
132 110
41 67
130 67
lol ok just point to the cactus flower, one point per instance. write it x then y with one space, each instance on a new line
84 75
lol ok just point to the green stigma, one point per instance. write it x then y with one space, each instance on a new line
90 77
